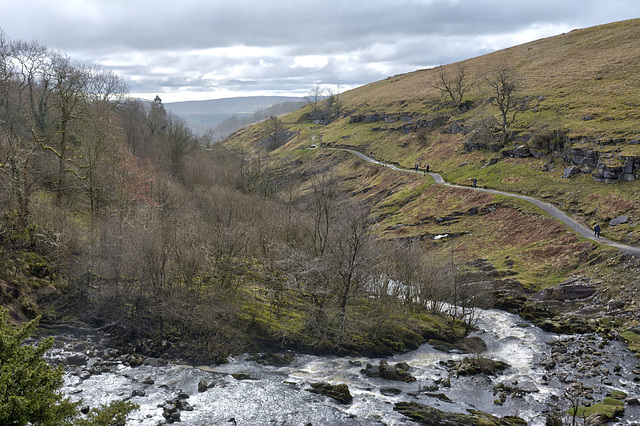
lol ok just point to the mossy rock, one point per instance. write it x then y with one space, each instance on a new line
609 409
617 394
242 376
432 416
480 365
398 372
445 346
338 392
571 325
508 302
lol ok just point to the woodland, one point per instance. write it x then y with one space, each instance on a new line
115 213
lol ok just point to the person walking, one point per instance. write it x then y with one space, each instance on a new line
474 182
596 230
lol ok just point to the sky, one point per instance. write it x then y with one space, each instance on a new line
208 49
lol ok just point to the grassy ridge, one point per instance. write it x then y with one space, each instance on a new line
593 72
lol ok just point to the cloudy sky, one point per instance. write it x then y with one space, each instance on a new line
206 49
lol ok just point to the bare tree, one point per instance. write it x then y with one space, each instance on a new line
181 141
351 253
69 91
322 207
24 91
275 128
315 96
455 85
503 84
333 103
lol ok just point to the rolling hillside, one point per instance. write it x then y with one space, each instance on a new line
573 143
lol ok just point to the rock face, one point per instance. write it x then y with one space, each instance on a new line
607 167
568 290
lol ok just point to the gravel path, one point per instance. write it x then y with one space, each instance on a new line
549 208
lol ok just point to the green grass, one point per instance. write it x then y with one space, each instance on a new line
590 72
610 408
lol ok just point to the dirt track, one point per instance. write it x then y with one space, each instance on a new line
549 208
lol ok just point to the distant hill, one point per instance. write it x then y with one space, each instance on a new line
204 115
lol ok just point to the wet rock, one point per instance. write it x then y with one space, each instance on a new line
77 360
402 366
384 370
480 365
440 396
548 364
171 412
517 389
154 362
338 392
148 381
242 376
390 391
567 325
138 392
132 360
277 360
171 409
632 401
474 344
452 348
202 386
432 416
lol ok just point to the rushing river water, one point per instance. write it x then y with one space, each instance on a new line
278 395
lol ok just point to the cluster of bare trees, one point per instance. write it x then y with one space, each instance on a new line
326 104
503 85
158 237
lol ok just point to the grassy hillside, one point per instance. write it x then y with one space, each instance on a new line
577 91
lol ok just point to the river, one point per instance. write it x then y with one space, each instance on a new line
269 395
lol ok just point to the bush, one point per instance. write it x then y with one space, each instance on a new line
31 387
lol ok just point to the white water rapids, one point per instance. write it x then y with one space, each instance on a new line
279 396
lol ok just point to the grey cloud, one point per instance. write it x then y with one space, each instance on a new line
164 45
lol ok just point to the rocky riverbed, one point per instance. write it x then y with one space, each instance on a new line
526 373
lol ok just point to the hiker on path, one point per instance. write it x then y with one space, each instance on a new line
596 230
474 182
416 167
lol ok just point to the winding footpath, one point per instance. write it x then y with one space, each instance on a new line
549 208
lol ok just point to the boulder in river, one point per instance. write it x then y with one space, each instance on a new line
277 360
390 372
432 416
338 392
477 365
